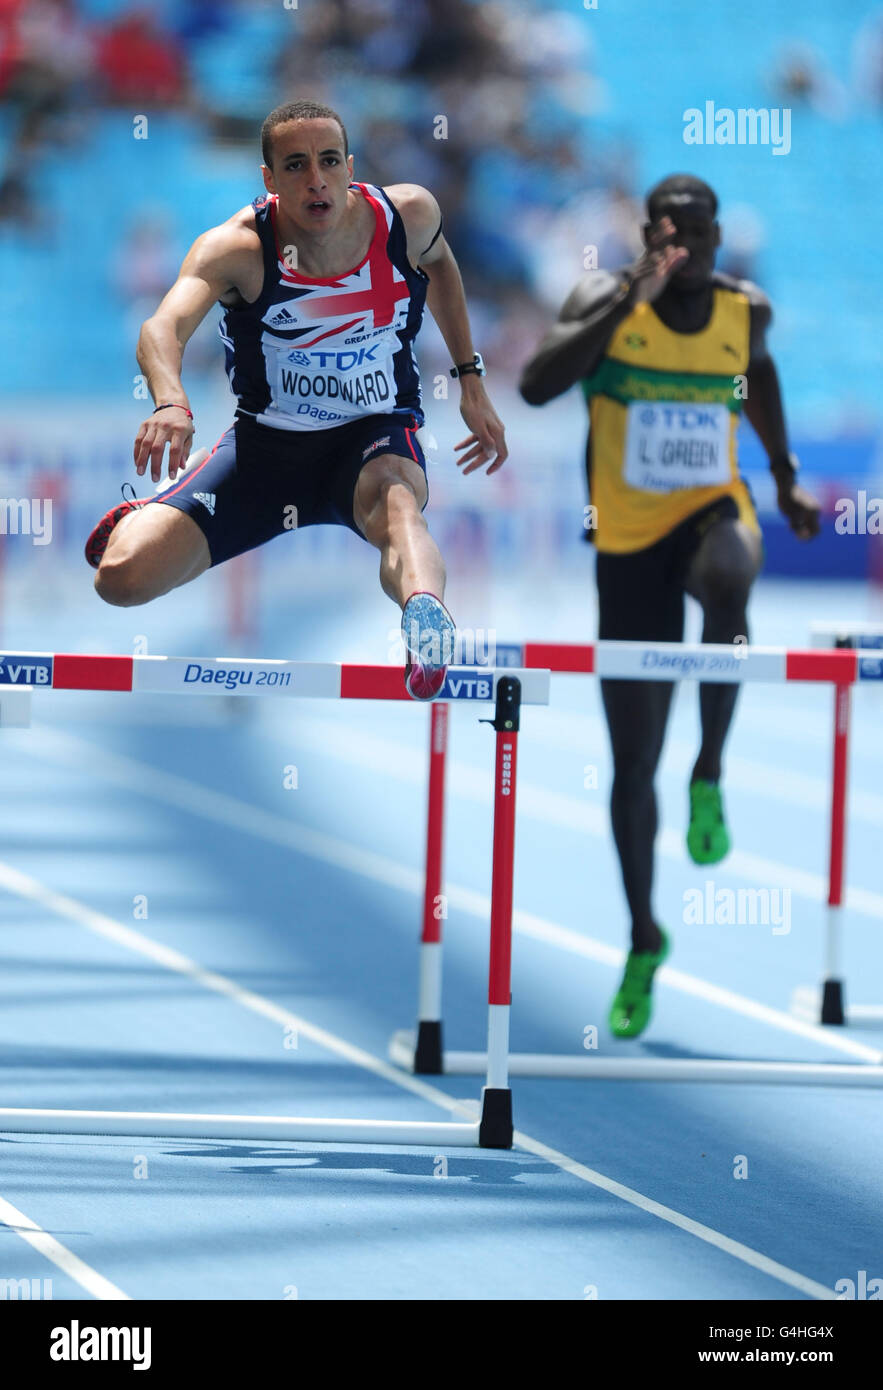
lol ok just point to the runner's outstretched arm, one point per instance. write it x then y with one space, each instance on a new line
446 300
765 413
574 346
209 271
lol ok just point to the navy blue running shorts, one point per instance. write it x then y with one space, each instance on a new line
259 482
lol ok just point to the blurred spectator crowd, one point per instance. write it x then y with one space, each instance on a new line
441 92
493 105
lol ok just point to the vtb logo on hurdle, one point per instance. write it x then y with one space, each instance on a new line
25 670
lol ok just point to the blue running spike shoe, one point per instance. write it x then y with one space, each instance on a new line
429 635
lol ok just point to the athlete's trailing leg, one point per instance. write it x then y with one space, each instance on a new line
637 713
150 551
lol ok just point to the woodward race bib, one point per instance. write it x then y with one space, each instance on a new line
673 445
328 385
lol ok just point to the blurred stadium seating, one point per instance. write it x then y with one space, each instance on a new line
558 118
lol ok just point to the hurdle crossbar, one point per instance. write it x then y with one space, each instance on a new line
507 689
216 675
714 662
423 1050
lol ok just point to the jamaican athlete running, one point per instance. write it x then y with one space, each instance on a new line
322 286
667 352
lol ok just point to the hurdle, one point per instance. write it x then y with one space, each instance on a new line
829 1004
23 675
422 1050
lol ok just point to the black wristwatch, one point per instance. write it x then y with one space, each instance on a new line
476 365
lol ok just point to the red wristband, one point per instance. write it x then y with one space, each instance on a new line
173 405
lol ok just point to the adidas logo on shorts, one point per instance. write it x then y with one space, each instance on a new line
207 499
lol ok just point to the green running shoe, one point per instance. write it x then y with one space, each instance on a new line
708 838
633 1003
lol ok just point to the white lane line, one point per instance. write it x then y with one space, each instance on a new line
227 810
572 732
745 1253
63 906
784 722
571 813
135 941
806 1002
566 939
71 1264
801 717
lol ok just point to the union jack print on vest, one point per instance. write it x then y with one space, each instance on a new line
309 353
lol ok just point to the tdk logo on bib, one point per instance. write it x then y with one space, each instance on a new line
468 685
670 446
25 670
300 359
682 417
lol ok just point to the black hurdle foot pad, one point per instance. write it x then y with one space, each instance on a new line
428 1054
495 1130
832 1002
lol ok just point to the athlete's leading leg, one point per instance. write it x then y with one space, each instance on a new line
387 508
389 495
149 552
720 577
